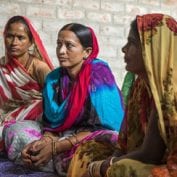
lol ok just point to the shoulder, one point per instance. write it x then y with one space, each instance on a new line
101 68
39 63
53 75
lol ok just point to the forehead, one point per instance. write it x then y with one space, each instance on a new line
17 28
68 35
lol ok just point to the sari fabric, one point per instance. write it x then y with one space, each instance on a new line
92 103
95 82
161 66
20 93
158 36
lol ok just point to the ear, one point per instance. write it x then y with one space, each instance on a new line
87 51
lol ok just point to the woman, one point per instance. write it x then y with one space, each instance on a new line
148 131
22 72
81 101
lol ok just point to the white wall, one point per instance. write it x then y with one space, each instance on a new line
109 18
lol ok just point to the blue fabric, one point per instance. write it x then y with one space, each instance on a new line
106 96
54 112
103 91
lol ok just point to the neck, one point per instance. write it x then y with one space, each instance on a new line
24 59
74 70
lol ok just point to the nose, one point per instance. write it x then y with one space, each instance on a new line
62 49
124 48
14 40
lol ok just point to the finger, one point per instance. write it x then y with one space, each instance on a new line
39 161
38 145
27 162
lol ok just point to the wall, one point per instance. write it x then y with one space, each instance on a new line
109 18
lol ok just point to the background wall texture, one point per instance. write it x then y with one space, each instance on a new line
109 18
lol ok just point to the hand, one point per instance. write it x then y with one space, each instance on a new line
26 154
31 150
44 153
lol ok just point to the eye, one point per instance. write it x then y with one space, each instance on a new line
21 38
9 36
59 44
69 45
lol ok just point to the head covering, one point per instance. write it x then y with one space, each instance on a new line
20 94
158 35
39 50
90 82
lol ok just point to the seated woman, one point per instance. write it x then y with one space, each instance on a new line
22 72
148 132
81 101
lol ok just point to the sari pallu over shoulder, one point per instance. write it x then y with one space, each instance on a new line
90 82
20 94
104 94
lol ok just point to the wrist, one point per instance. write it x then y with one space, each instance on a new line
47 138
94 169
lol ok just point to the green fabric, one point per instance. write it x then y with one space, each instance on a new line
127 85
129 168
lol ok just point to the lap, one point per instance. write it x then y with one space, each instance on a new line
18 134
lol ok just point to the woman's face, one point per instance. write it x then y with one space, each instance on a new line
133 54
69 50
17 41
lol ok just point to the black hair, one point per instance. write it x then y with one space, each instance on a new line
134 28
19 19
82 32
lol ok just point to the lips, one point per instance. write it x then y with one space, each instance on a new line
62 59
13 49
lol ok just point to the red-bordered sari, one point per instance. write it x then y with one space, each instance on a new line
20 92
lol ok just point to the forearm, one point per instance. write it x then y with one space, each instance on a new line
70 141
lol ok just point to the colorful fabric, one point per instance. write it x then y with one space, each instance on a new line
23 132
134 125
127 86
98 148
160 93
92 104
162 73
20 93
138 109
96 83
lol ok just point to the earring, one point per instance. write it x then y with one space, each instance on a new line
84 58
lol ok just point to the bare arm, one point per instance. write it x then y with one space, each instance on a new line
45 149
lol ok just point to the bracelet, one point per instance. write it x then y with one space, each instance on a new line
54 149
68 139
94 168
75 136
111 161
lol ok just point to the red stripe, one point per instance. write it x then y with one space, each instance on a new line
35 112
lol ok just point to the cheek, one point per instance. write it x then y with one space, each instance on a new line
7 42
132 52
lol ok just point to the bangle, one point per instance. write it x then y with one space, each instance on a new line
75 136
111 161
54 149
94 168
68 139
